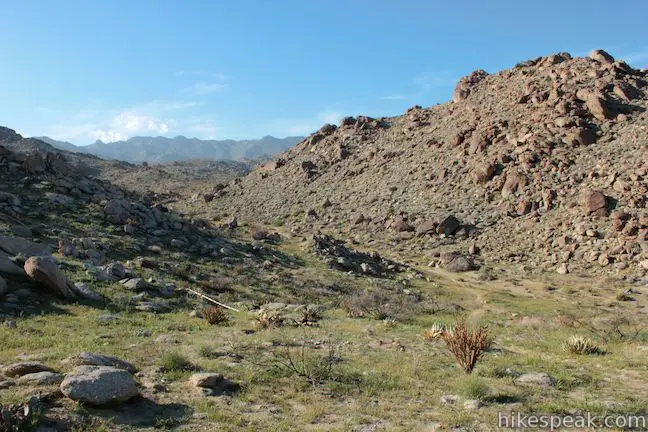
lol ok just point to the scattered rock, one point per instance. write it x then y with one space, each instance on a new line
593 202
24 368
540 379
94 359
84 291
45 271
449 399
40 378
212 384
99 385
27 248
448 226
136 284
472 405
7 266
456 262
426 227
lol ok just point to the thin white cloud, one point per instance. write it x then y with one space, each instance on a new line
395 97
109 125
195 72
106 136
205 88
199 73
133 122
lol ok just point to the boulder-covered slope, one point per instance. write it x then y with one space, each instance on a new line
544 164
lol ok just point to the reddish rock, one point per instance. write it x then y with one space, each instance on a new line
514 183
426 227
466 84
593 202
598 106
580 136
601 56
483 172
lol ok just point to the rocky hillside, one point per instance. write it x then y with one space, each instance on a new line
544 164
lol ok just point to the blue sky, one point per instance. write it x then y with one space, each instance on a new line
111 69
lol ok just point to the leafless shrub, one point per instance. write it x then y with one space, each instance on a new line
379 305
218 284
466 345
303 362
216 315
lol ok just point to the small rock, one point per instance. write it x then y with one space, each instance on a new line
537 378
40 378
94 359
136 284
212 384
449 399
24 368
472 405
206 380
448 226
83 290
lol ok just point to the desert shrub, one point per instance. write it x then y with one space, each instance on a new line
206 351
581 345
434 332
308 317
268 318
390 322
472 387
301 361
624 296
619 327
218 284
216 315
259 233
466 345
173 361
378 305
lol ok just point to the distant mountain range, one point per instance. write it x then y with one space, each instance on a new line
162 149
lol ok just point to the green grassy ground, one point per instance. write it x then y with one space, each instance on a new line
385 375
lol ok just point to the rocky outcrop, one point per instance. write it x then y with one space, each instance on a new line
508 158
466 85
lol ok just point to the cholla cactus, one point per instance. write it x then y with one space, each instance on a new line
580 345
435 332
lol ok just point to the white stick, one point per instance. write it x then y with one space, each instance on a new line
212 300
